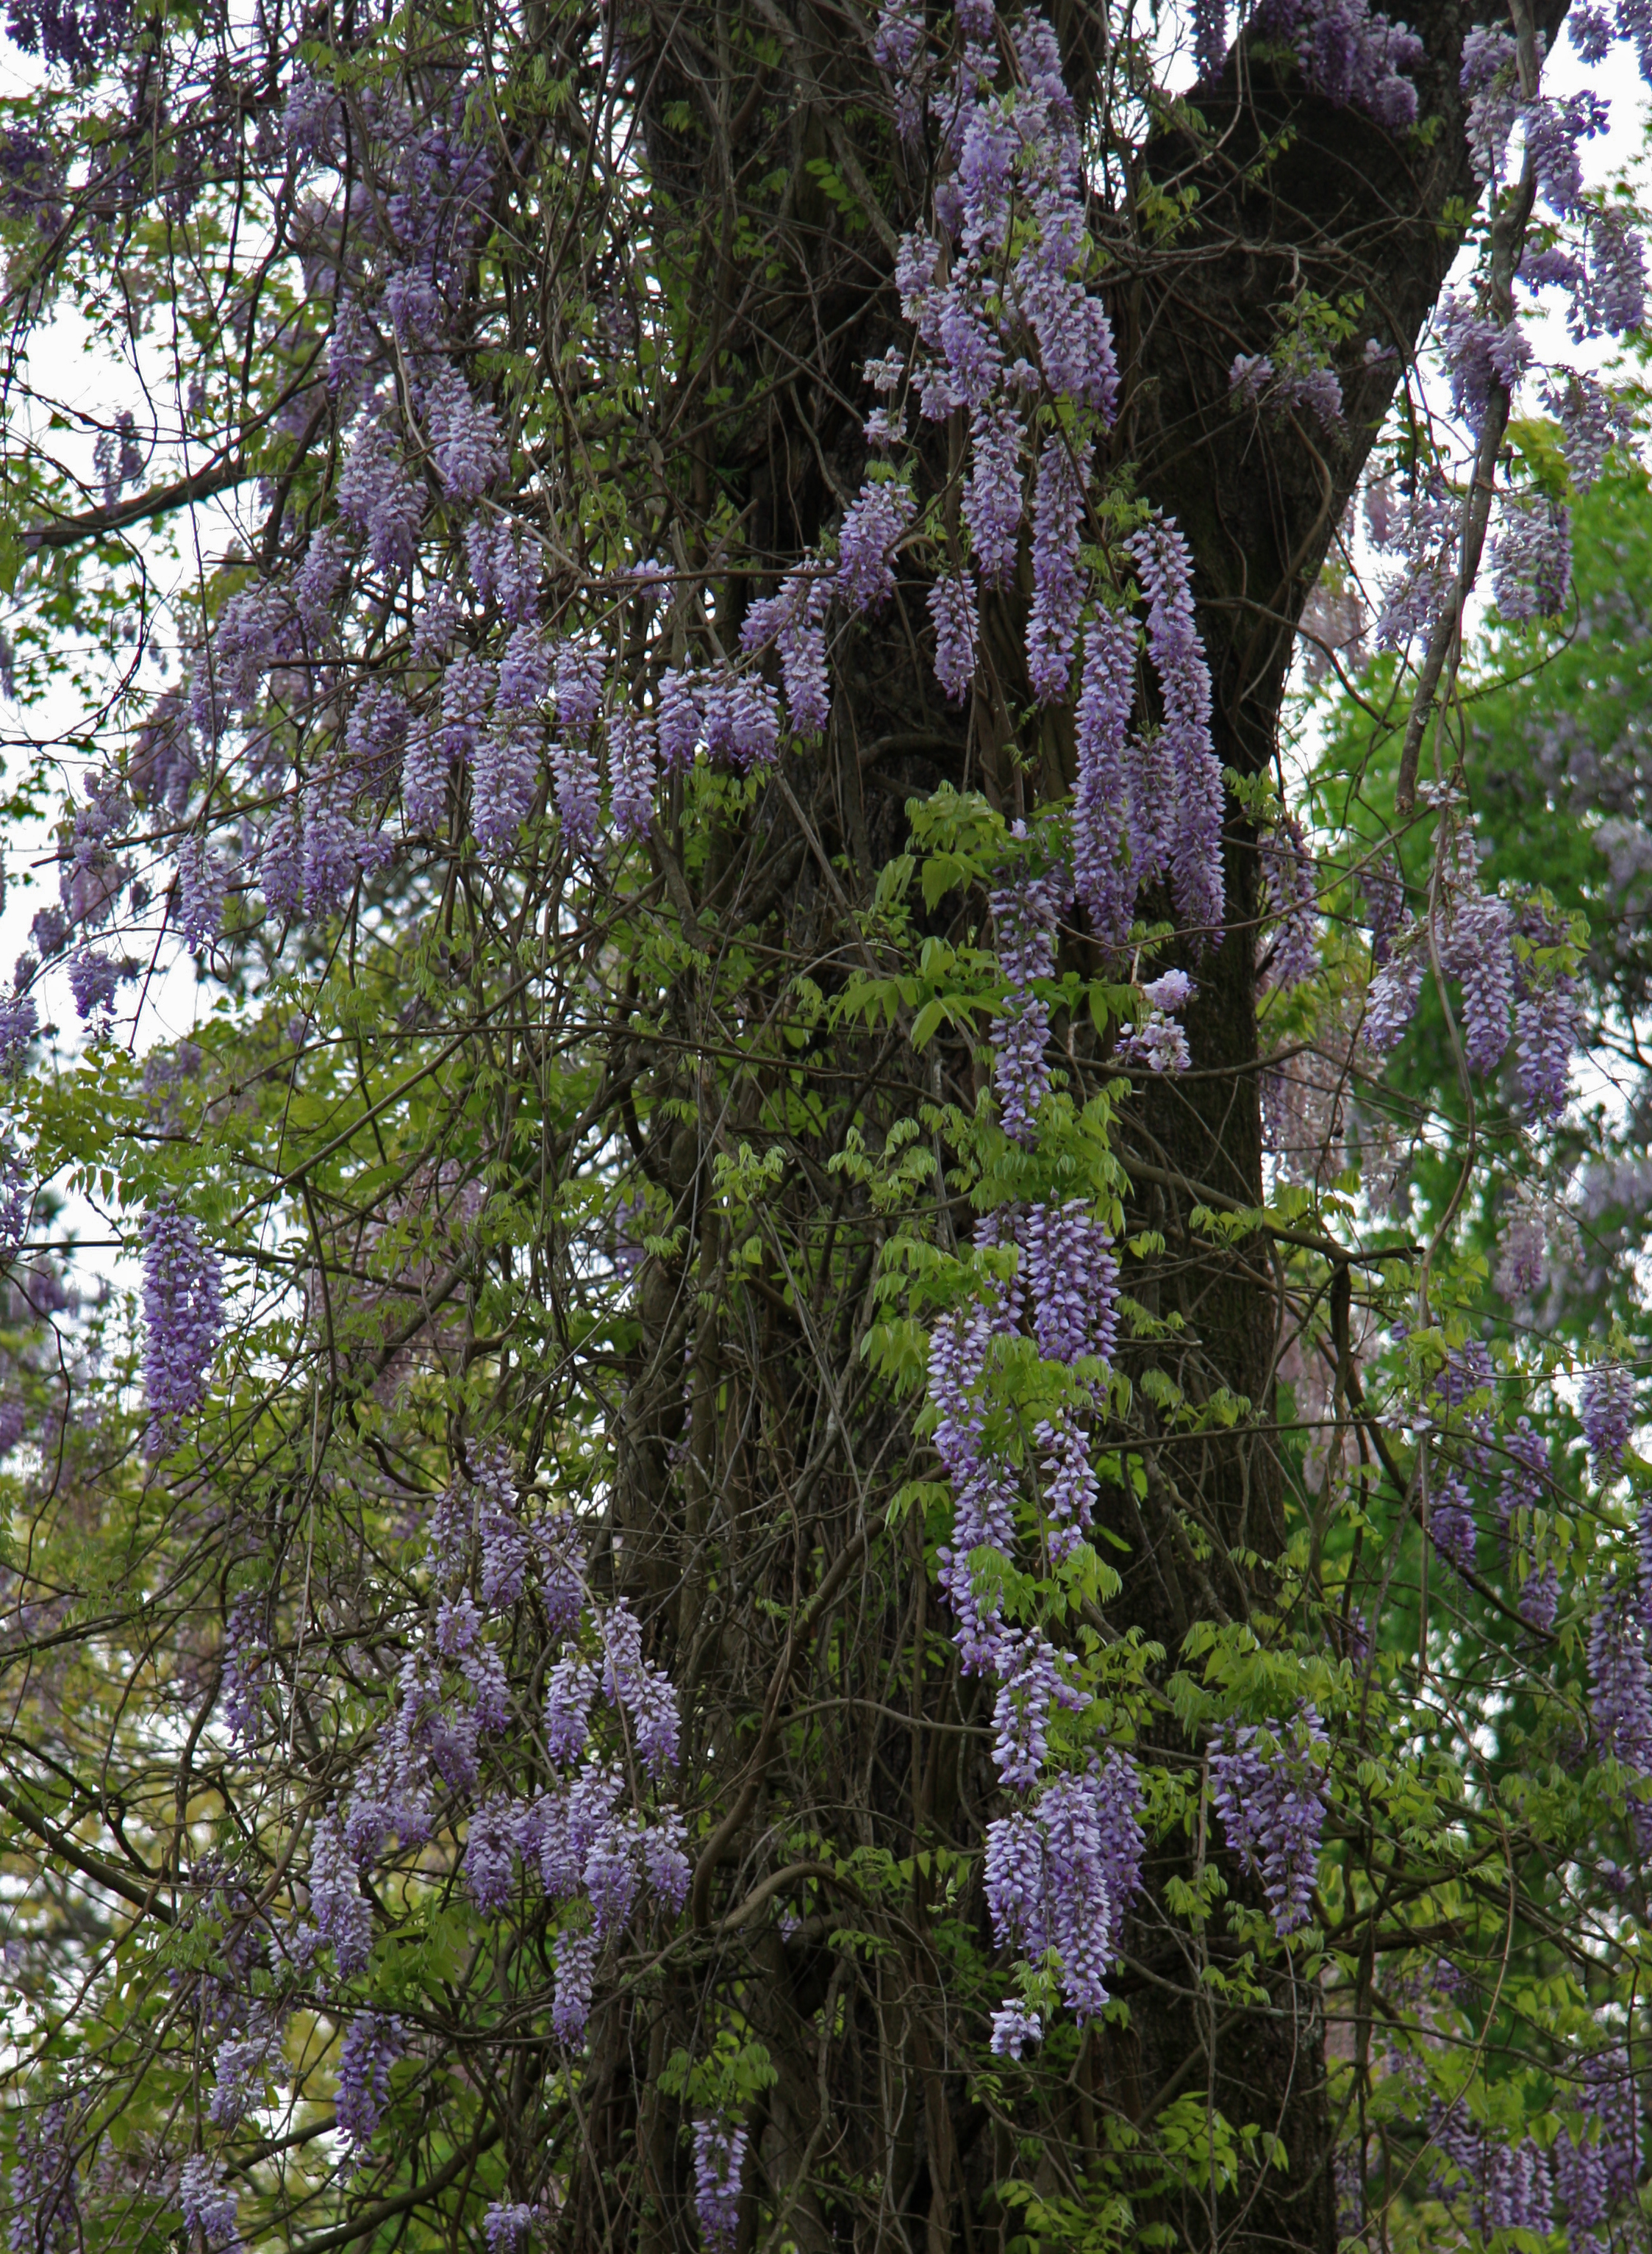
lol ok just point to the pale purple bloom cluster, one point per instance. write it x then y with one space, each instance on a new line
44 2183
1450 1522
341 1913
1390 1002
1059 1875
1508 2186
372 2044
1620 1697
585 1844
952 609
243 2065
1071 1281
1531 560
1477 950
1166 567
1157 1042
94 978
17 1200
1292 956
1607 1411
1058 591
1350 54
1546 1019
245 1667
508 2227
1024 918
719 2163
1103 875
1013 2029
631 771
1270 1797
183 1312
1060 1871
865 543
207 2203
795 621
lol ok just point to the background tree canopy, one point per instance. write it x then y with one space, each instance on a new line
873 1481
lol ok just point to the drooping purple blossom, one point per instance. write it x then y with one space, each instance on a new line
506 2228
1607 1411
719 2164
1451 1522
490 1854
1014 2026
377 498
952 607
1101 877
576 1959
871 528
183 1307
992 501
1058 590
1072 1280
1162 558
242 2067
631 771
245 1668
1620 1695
44 2183
1024 918
1292 953
463 435
93 979
504 782
1531 560
1477 952
372 2044
207 2203
340 1913
1060 1873
1390 1002
1031 1687
1271 1802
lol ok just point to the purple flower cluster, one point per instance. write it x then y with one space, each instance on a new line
206 2204
1058 590
1620 1697
632 772
1607 1410
1477 952
1166 567
719 2163
1103 876
1269 1789
1350 54
1059 1875
795 621
1531 560
1292 954
952 608
183 1312
245 1668
1024 918
866 541
1451 1522
44 2183
372 2044
1071 1281
507 2228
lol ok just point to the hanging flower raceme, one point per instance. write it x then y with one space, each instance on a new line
183 1314
1269 1789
